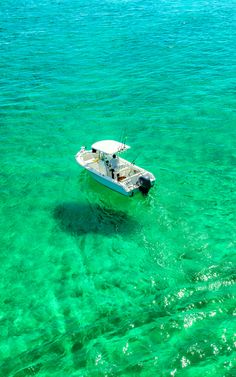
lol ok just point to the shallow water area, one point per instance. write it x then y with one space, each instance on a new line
94 283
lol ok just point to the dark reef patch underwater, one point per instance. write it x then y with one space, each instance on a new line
79 219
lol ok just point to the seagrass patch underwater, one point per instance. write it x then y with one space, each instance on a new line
94 283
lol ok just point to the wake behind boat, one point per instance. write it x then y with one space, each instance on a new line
108 168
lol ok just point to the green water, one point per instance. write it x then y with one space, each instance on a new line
93 283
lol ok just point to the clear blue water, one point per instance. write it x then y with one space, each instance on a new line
93 283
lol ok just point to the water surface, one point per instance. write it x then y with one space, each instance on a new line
93 283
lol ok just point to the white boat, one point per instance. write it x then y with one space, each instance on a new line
108 168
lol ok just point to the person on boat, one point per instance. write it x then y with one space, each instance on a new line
114 163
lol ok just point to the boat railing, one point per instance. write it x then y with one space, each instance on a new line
133 179
123 171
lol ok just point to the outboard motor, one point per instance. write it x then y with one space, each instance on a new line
144 184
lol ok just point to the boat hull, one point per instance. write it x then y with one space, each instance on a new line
111 185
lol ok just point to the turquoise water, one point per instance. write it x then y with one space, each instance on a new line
93 283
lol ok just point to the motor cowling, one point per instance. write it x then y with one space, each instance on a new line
144 184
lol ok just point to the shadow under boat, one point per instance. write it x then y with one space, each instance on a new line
79 219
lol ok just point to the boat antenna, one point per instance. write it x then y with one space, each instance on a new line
133 162
123 139
121 135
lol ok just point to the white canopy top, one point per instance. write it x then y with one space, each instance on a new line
110 146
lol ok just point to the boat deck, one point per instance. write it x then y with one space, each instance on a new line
124 178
